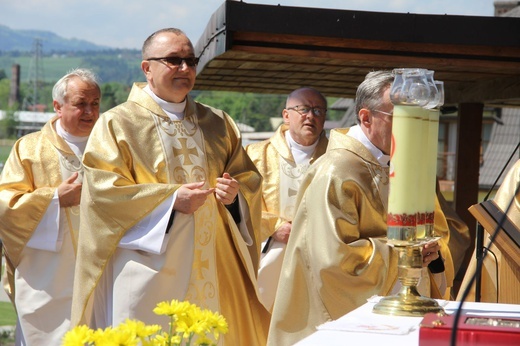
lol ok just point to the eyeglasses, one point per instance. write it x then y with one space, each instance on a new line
304 110
389 114
175 61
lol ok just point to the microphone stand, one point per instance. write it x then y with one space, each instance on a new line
479 237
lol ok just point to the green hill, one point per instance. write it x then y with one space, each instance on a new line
23 41
58 55
122 66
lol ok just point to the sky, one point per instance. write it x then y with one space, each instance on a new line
127 23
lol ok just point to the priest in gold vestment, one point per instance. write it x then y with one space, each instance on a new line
171 206
282 160
40 191
336 257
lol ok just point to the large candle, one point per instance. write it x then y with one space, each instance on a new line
430 195
423 163
406 158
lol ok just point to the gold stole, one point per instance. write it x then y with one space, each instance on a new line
291 175
185 155
69 164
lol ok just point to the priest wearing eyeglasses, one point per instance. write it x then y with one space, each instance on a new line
283 160
170 206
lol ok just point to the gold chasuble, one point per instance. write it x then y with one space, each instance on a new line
282 178
39 280
274 160
336 257
137 157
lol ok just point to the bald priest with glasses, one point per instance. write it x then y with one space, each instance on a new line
172 206
283 160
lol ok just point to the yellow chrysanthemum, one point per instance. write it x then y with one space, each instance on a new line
160 339
204 340
139 329
118 336
78 336
219 325
187 323
173 308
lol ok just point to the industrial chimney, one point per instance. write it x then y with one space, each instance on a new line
14 94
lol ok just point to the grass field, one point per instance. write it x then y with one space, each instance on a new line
4 152
51 67
7 314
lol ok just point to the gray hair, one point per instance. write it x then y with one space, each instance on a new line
370 92
59 91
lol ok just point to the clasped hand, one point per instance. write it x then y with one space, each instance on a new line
430 252
191 197
69 192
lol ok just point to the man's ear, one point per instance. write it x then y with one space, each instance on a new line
145 66
285 116
365 117
57 107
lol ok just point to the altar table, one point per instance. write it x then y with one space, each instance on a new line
405 330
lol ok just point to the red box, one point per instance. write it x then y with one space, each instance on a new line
435 330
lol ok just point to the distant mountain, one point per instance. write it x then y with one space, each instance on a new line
23 41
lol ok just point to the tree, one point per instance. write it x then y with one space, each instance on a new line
5 88
8 124
113 94
251 109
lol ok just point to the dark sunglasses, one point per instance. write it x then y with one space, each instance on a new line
175 61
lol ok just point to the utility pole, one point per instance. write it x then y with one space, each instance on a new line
35 77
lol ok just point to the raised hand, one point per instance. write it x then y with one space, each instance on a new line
227 189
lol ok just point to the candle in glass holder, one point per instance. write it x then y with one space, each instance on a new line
433 141
405 158
430 195
423 164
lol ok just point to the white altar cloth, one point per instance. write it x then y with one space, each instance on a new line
375 329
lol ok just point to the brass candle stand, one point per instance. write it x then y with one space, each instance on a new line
408 301
416 97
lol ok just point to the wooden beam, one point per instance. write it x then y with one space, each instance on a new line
503 88
469 129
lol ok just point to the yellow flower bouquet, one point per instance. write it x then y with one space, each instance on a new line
188 323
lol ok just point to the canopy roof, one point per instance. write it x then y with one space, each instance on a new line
276 49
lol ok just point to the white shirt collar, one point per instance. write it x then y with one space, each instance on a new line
301 153
174 110
356 132
76 143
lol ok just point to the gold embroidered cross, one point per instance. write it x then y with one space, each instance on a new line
184 150
199 264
